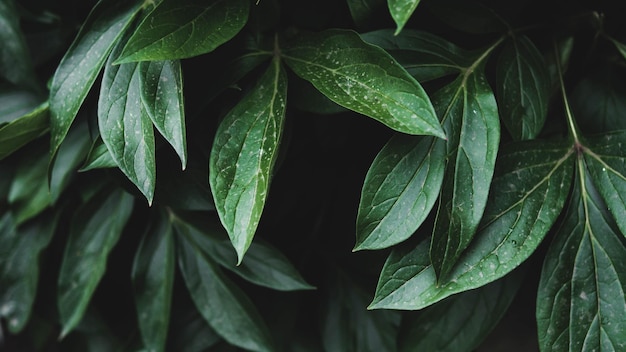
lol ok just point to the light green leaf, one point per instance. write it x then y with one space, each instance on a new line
528 194
94 231
523 82
15 103
98 157
29 194
19 266
580 300
399 191
15 61
401 11
153 280
243 155
182 29
469 115
125 126
222 304
364 78
83 61
22 130
70 155
606 161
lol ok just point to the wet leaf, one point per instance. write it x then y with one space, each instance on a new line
401 11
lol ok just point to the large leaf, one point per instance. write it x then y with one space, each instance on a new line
181 29
401 11
94 231
400 189
580 300
22 130
83 61
162 96
153 281
15 62
222 304
523 88
243 155
19 266
125 126
363 78
528 194
470 117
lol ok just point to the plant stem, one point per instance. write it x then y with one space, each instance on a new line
568 112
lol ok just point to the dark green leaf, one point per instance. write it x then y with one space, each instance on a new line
15 62
153 280
580 300
15 103
243 155
399 191
19 266
364 12
523 88
185 190
24 129
162 95
469 15
527 196
469 115
190 332
71 154
401 11
228 75
363 78
98 157
83 61
94 231
222 304
181 29
29 194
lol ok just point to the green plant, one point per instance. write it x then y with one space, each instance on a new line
491 162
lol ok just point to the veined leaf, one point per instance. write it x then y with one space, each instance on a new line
470 118
528 194
400 189
19 266
82 63
523 88
222 304
94 231
363 78
243 155
181 29
580 300
19 132
153 280
125 126
606 162
401 11
15 59
162 96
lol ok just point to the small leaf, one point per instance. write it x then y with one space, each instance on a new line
94 231
98 157
182 29
470 117
153 280
82 63
222 304
243 155
19 132
523 88
580 300
162 95
125 126
71 153
363 78
528 194
29 194
401 11
621 47
399 191
15 59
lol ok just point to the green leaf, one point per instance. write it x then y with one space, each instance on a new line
24 129
621 47
222 304
94 231
401 11
461 322
153 281
19 266
363 78
15 103
29 194
399 191
15 61
363 12
190 332
98 157
580 300
243 155
125 126
528 193
470 118
523 82
83 61
606 161
70 155
182 29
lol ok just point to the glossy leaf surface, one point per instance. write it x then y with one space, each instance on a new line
243 155
182 29
401 11
19 132
363 78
